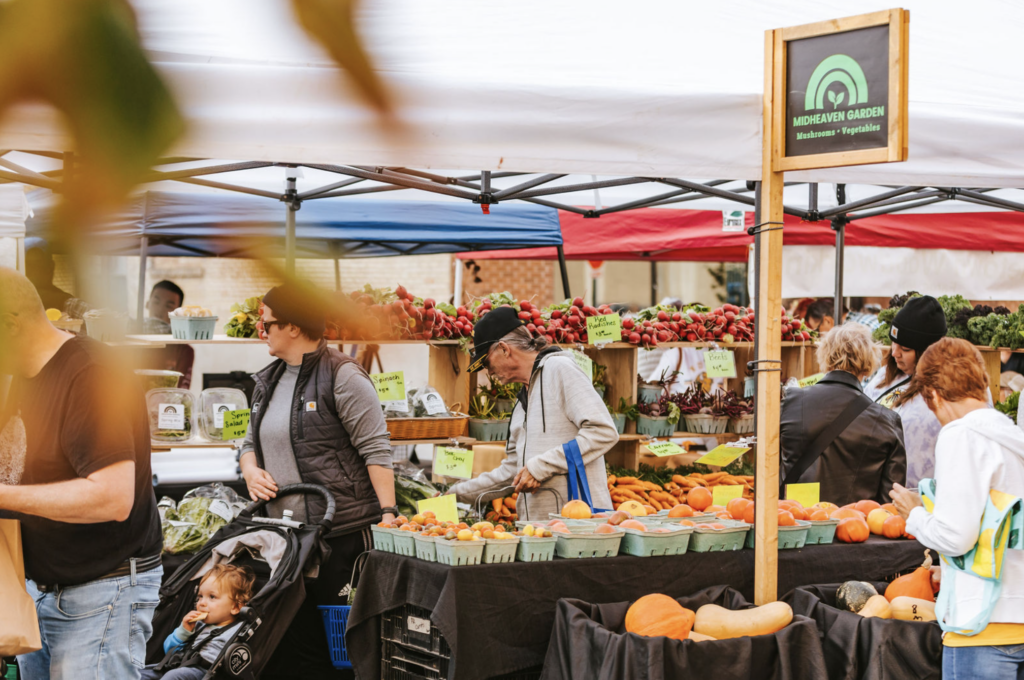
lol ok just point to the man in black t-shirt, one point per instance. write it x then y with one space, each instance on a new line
74 468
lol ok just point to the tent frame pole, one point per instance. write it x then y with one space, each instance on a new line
564 271
292 203
140 303
839 226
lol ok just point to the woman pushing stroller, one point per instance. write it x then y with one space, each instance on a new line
195 645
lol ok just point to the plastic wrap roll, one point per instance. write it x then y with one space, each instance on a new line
194 454
220 460
197 476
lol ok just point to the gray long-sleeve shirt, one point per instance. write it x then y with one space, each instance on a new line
358 407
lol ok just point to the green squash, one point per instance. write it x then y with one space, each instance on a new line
853 595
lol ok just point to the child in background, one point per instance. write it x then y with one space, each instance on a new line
195 644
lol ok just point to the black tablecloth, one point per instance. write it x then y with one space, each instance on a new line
590 641
498 618
857 648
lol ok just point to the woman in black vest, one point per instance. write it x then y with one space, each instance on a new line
316 419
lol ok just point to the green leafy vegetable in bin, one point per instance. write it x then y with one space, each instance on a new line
409 491
244 317
164 434
1009 407
188 528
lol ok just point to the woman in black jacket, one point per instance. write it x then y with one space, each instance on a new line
834 434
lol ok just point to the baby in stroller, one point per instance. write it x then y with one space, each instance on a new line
195 645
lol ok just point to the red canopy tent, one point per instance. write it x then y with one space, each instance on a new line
661 234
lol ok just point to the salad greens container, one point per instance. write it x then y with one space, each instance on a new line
213 404
171 414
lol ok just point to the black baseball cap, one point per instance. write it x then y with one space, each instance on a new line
494 325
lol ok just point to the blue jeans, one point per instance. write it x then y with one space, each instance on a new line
97 630
1005 662
191 673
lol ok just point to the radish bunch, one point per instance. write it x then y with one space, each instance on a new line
382 314
561 323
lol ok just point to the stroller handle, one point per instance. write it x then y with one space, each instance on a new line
256 506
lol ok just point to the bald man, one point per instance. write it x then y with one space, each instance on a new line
74 468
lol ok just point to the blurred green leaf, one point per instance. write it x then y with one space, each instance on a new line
332 23
84 57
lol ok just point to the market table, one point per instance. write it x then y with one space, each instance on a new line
497 618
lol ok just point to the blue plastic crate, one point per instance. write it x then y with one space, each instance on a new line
335 621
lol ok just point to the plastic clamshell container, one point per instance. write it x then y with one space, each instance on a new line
193 327
405 543
536 549
500 550
821 531
213 403
732 537
459 553
648 544
383 539
426 547
167 424
583 545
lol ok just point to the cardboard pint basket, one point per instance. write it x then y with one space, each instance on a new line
19 627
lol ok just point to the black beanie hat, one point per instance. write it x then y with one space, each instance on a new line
298 304
919 324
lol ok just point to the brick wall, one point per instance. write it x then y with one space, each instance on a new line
525 279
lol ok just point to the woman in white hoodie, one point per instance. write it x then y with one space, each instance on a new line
978 451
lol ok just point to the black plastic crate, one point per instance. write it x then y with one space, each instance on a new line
399 662
410 626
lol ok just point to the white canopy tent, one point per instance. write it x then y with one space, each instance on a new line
14 211
649 89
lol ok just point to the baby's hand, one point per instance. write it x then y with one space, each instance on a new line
190 620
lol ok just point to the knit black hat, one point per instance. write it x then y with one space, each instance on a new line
299 304
920 323
494 325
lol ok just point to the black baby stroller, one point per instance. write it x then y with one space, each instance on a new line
281 552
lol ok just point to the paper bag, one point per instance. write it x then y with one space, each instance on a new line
19 627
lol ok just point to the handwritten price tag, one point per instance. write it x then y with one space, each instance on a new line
443 507
722 494
720 363
662 449
811 380
453 462
584 362
806 494
390 386
603 328
720 456
236 423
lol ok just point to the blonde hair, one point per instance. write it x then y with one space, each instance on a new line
848 348
238 581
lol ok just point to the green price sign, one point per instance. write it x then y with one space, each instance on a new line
604 328
806 494
236 423
390 386
720 456
584 362
443 507
451 461
662 449
722 494
720 363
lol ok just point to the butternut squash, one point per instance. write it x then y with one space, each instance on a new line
907 609
723 624
877 607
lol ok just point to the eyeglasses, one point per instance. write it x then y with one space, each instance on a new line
268 324
487 359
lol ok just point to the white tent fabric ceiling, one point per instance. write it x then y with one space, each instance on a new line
647 89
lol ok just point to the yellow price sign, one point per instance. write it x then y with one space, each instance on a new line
584 362
236 424
723 493
720 363
722 455
805 494
452 461
604 328
662 449
443 507
390 386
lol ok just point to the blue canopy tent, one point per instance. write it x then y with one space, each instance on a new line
176 224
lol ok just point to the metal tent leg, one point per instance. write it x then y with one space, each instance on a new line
564 270
140 305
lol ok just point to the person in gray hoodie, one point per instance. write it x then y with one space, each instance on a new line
557 404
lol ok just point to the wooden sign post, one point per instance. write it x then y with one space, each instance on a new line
835 94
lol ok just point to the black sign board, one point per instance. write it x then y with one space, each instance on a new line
838 92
